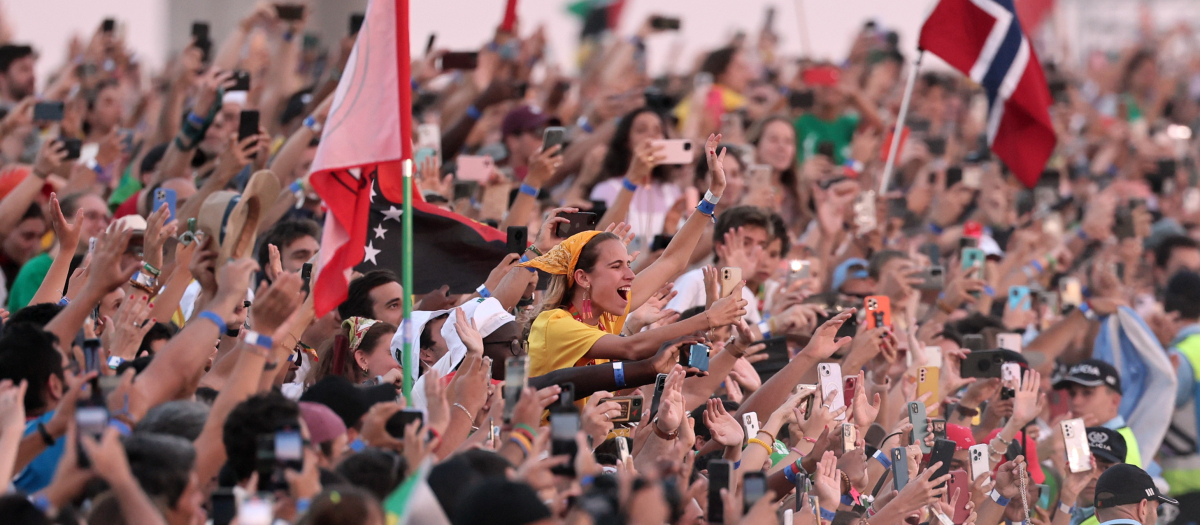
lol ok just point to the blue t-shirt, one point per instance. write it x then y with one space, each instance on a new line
39 472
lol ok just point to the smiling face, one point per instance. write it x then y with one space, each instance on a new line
609 280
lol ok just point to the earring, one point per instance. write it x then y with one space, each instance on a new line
587 304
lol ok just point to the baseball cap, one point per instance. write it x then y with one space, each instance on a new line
1090 372
1126 484
854 268
960 435
1107 444
1182 290
522 119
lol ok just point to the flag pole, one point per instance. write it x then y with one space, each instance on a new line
895 146
406 278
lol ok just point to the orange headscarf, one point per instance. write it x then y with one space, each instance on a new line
561 259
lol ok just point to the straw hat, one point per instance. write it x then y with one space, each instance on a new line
233 218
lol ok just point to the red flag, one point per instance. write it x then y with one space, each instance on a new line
1033 12
983 39
369 126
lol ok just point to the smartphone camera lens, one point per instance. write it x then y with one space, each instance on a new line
687 146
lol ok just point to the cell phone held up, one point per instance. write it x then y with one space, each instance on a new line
576 223
564 424
879 311
289 12
247 124
631 408
461 60
400 421
695 356
518 239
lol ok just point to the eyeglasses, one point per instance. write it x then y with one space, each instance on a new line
516 347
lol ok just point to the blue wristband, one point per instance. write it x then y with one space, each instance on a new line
1082 236
987 289
828 515
1000 500
195 119
882 459
295 187
619 374
302 505
1036 265
937 230
473 112
216 319
415 85
847 500
64 301
789 474
529 190
585 125
41 502
287 36
257 339
625 183
737 465
483 291
706 208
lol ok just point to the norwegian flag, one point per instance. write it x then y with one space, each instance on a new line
983 39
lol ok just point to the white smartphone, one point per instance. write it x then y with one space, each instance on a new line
980 463
623 449
830 377
1079 453
933 356
750 420
1009 341
675 151
864 212
429 136
1010 375
972 177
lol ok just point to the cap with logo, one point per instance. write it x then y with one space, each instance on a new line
1126 484
1107 444
1090 372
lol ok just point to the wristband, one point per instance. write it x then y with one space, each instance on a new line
1000 500
525 259
847 500
287 36
257 339
1068 509
46 437
790 474
473 112
483 291
629 185
707 208
619 374
584 124
533 248
302 505
42 503
529 190
64 301
1036 265
760 443
311 123
216 319
797 452
987 289
532 431
296 187
1082 236
195 119
882 459
935 229
828 515
153 271
709 197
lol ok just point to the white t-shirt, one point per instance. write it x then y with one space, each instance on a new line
690 294
647 210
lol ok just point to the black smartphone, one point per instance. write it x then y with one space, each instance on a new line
754 487
460 60
306 276
720 476
804 100
289 11
982 364
109 25
660 382
205 47
48 111
1166 169
577 222
802 486
518 239
401 420
356 22
554 136
943 451
224 506
660 242
247 124
936 146
953 175
564 424
465 189
73 147
200 31
241 80
1123 226
777 357
665 23
939 428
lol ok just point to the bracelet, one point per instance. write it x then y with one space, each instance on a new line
311 123
529 190
619 374
797 452
532 248
827 515
302 505
882 459
810 440
627 184
150 268
532 431
1037 265
64 301
1068 509
996 497
465 411
483 291
761 443
521 442
46 437
770 435
216 319
473 112
935 229
257 339
195 119
709 197
42 503
584 124
707 208
789 474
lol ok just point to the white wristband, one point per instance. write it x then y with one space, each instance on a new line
708 196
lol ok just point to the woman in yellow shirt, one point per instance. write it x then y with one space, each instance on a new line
594 289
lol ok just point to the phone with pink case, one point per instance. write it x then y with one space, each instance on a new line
475 167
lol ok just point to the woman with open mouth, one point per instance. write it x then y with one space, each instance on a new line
593 289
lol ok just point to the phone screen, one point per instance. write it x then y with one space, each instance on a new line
564 425
288 446
754 487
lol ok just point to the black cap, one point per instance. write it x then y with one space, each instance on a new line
498 501
1126 484
346 400
1090 372
1180 295
1107 444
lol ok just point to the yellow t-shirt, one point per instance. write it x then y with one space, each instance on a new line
558 341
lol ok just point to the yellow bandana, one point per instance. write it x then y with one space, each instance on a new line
561 259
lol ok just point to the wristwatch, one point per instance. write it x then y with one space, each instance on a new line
115 362
667 436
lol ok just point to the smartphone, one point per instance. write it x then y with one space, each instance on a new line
664 23
108 25
702 84
720 476
933 356
696 357
564 424
165 195
980 463
74 148
1070 292
754 487
849 437
247 124
576 222
356 22
631 408
554 136
660 383
623 449
865 218
306 275
566 398
936 146
401 420
932 278
899 467
802 487
916 416
518 239
972 177
205 47
476 168
879 311
1009 342
1079 452
675 151
224 506
959 482
983 364
848 392
289 449
463 60
821 76
803 100
938 426
973 258
730 277
798 270
241 80
807 401
516 370
89 421
429 136
750 421
927 382
943 451
289 11
199 31
91 355
1018 298
48 111
829 375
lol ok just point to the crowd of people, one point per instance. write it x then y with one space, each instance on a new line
748 329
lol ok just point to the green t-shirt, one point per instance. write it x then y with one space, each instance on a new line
27 282
127 187
812 131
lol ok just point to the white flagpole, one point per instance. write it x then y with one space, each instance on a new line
895 147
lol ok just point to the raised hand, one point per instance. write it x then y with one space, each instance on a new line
670 407
716 165
124 335
596 418
828 480
727 310
109 253
276 309
468 333
543 165
824 342
724 428
865 411
645 158
1026 405
67 233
